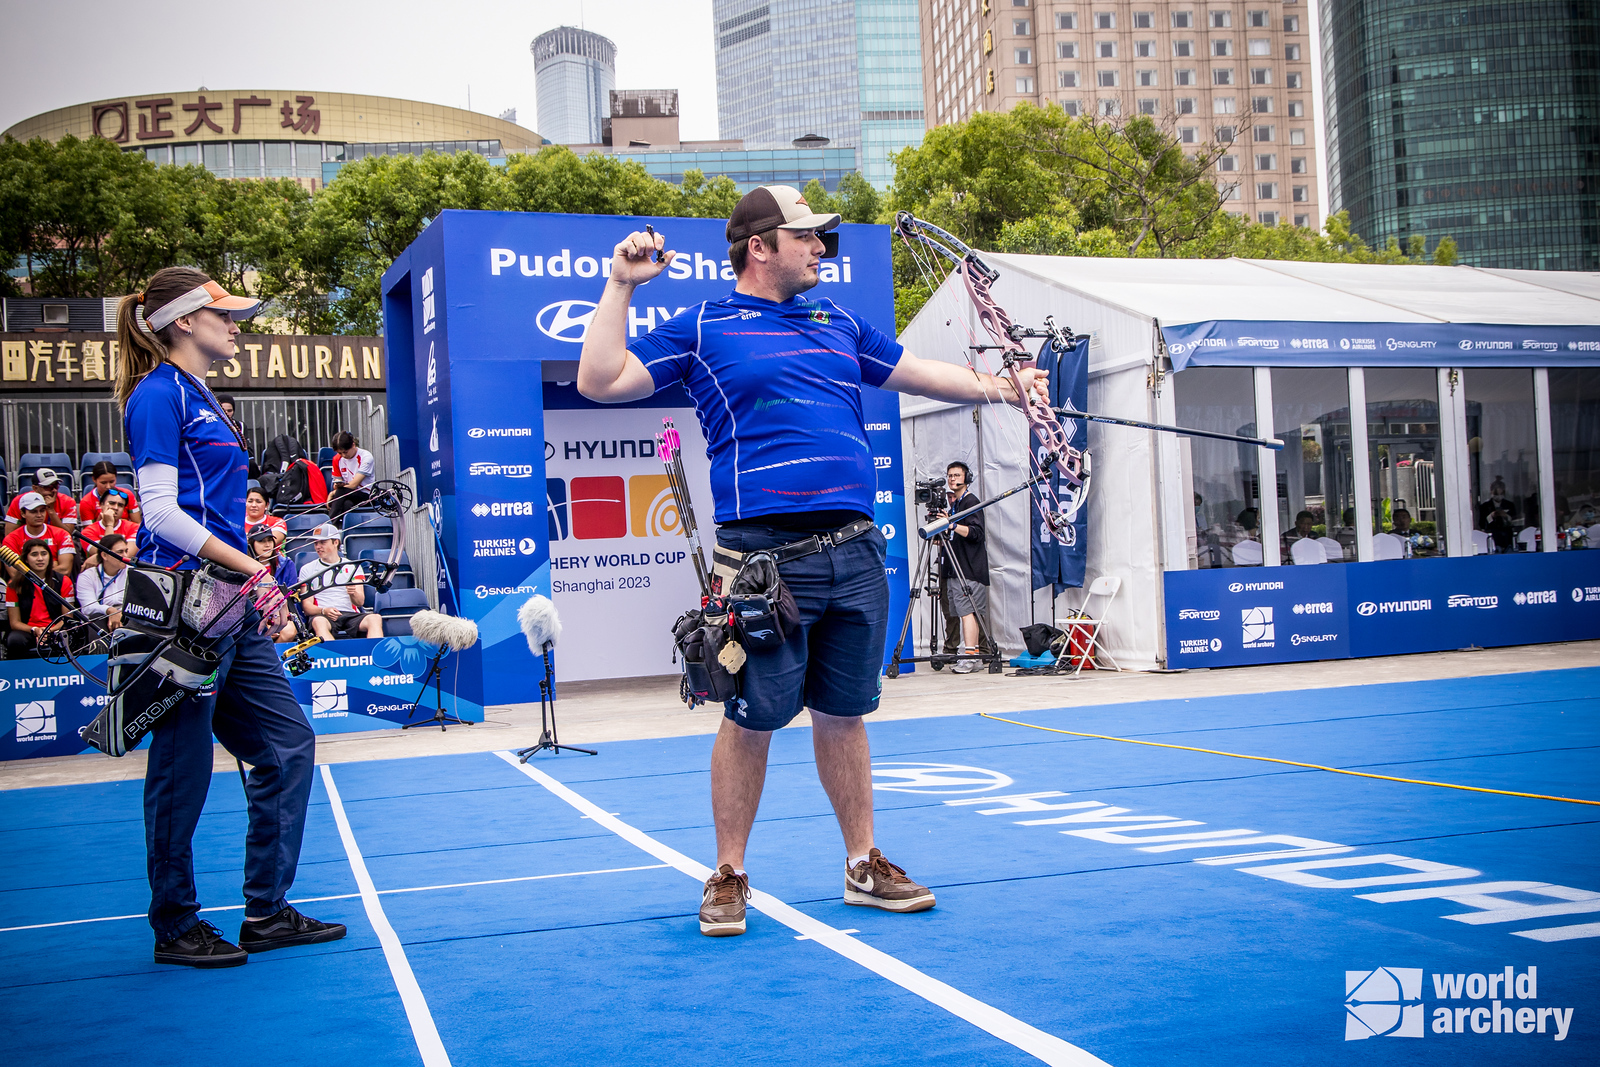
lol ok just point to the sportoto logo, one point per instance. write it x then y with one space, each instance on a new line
508 470
566 320
1385 1002
935 778
1203 614
1366 607
1465 600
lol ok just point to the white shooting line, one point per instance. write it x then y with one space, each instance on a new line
1035 1042
422 1028
351 896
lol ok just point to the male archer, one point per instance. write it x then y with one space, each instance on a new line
776 381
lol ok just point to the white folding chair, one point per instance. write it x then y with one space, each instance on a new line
1594 536
1529 538
1332 550
1247 554
1096 602
1308 550
1388 546
1481 545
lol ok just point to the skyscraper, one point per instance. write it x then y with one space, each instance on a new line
847 70
574 73
1476 119
1234 71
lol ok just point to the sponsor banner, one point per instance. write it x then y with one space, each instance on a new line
1232 343
73 362
1242 615
473 423
357 684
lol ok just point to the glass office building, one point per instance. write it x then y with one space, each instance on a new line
1476 119
847 70
574 72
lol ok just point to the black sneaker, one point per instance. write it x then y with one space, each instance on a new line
202 946
284 929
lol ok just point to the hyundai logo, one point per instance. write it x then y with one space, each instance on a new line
1366 607
475 432
1466 346
566 320
1235 587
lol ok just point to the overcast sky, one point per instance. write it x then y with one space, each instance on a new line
61 52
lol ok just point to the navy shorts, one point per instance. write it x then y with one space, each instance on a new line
832 662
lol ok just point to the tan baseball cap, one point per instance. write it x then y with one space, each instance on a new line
769 207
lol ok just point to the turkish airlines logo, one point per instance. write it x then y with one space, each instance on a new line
566 320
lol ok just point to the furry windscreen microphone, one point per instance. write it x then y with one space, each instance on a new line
540 623
446 631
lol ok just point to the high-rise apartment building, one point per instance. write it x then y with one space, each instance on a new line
1235 72
1476 119
574 73
847 70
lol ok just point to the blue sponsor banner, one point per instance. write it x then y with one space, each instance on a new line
1060 561
357 684
1233 343
484 298
1237 616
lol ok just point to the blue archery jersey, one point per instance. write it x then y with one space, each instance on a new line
170 421
777 388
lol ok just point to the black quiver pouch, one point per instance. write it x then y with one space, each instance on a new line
699 636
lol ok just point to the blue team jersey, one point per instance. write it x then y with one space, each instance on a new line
777 388
170 421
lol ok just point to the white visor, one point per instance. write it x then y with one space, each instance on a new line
208 295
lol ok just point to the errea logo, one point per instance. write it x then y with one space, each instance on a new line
1383 1002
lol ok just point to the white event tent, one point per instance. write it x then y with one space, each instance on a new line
1151 320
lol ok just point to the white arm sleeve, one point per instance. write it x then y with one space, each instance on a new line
158 497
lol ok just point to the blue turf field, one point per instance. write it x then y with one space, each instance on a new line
1111 928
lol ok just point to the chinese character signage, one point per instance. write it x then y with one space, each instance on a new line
30 362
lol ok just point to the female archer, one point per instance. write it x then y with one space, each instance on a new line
192 466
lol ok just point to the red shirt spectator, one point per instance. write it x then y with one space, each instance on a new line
40 615
127 529
59 539
63 508
89 506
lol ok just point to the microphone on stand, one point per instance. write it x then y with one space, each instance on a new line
541 625
442 632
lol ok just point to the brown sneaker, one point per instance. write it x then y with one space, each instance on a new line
877 883
722 907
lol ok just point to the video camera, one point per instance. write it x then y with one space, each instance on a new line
934 494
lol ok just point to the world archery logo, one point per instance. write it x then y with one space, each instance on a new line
1259 630
1384 1002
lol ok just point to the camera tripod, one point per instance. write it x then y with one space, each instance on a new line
930 554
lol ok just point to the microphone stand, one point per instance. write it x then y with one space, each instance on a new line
547 716
440 717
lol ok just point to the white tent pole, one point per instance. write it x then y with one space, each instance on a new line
1267 468
1545 438
1360 464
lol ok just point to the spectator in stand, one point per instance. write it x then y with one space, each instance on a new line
35 526
101 586
256 514
110 522
337 610
264 546
227 403
63 513
103 480
29 611
353 469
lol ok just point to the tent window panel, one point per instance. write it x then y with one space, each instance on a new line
1502 458
1316 479
1575 440
1405 460
1226 477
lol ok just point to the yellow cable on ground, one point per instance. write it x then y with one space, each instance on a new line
1294 763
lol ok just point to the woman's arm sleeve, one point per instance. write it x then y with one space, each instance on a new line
158 482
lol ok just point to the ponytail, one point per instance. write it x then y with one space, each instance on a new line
141 351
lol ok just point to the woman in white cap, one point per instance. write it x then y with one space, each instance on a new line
192 466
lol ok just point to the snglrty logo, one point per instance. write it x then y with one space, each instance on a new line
1384 1002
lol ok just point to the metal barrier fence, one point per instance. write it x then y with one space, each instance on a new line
95 425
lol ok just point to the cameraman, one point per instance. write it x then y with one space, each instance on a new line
965 594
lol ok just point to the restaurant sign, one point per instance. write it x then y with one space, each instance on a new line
32 362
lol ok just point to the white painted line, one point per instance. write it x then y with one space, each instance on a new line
353 896
1561 933
422 1028
803 937
1035 1042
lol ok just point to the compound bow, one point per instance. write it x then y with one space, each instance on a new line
1054 452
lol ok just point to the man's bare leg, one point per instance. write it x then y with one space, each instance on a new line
844 765
738 773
